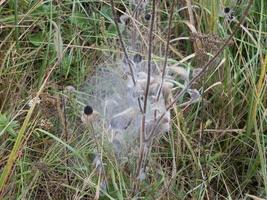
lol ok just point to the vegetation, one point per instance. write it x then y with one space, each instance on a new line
217 146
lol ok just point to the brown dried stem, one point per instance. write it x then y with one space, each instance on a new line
129 62
166 49
121 41
142 132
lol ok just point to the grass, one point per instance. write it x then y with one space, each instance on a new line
217 146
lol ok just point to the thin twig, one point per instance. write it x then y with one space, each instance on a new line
136 13
142 132
155 34
204 70
129 62
166 49
149 54
121 41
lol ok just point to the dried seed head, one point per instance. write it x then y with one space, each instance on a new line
35 100
88 110
147 17
227 10
228 14
137 58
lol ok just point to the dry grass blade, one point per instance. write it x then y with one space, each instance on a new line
20 138
58 42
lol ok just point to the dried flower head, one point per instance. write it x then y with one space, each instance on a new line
34 100
89 115
228 13
137 58
88 110
227 10
46 124
147 17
